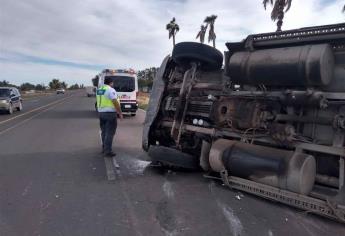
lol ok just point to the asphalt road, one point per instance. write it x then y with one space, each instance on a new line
53 181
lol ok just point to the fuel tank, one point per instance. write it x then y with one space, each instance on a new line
301 66
275 167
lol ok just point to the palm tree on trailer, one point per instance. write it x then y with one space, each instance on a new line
173 28
279 8
210 20
202 32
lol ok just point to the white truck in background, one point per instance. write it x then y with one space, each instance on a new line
126 86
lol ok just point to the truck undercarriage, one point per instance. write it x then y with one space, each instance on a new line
271 122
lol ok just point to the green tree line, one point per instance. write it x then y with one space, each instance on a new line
53 84
146 77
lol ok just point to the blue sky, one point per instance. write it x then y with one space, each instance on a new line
74 40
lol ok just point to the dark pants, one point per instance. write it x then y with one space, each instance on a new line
108 123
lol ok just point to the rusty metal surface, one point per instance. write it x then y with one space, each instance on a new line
309 204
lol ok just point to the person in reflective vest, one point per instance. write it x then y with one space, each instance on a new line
108 108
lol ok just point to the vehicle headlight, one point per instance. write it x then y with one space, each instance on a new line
195 121
3 101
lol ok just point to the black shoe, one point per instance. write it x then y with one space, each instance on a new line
110 154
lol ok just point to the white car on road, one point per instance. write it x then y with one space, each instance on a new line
60 91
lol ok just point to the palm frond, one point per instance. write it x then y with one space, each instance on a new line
278 7
288 5
265 2
277 4
276 11
210 19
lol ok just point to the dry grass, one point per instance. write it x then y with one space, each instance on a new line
143 100
28 96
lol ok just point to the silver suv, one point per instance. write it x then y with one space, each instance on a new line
10 99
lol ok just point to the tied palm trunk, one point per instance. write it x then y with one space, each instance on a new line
280 18
212 35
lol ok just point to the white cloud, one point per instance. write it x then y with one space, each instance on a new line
129 33
38 73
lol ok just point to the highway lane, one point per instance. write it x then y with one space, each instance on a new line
30 104
53 181
31 108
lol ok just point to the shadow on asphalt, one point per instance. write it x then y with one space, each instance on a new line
2 112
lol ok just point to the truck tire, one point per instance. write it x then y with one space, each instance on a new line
173 158
186 52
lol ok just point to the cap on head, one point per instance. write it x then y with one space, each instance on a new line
108 80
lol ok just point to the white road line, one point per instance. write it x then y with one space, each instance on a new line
133 218
110 168
30 118
36 109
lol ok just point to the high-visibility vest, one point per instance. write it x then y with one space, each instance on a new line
103 101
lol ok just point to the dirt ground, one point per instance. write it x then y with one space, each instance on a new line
143 100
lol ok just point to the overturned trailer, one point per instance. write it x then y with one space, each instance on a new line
271 122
